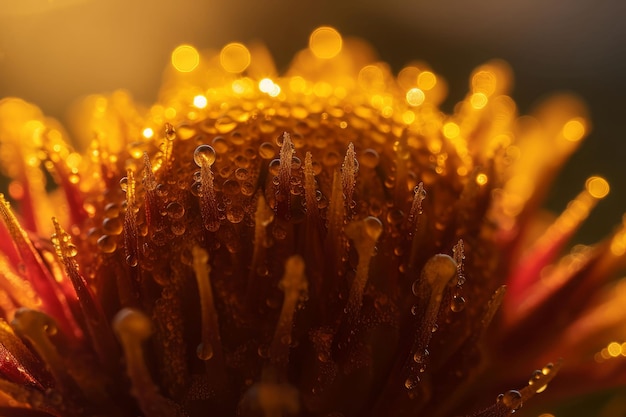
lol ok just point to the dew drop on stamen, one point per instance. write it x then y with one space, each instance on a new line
512 399
457 304
124 184
204 351
411 382
131 260
204 154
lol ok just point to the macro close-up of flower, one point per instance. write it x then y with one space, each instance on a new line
325 240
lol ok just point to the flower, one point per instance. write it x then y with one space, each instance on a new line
324 243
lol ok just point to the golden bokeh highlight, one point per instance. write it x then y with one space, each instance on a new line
200 101
478 100
482 179
235 58
147 133
426 80
185 58
451 130
598 187
269 87
574 130
325 42
415 97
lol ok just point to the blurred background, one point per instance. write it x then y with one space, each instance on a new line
52 52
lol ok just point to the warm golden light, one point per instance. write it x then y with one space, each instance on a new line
200 101
426 80
415 97
478 100
451 130
147 133
574 130
481 179
235 58
185 58
325 42
267 86
598 187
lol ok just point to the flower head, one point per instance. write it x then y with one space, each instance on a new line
327 243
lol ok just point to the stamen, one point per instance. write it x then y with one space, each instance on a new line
167 144
149 184
133 328
349 169
414 224
131 234
204 157
310 187
364 235
263 216
511 401
96 321
283 188
437 273
457 303
210 346
419 194
336 216
295 287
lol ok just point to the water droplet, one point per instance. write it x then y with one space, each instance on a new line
107 244
204 154
370 158
512 399
170 133
124 183
204 351
112 226
235 214
274 167
547 369
71 250
263 351
175 210
247 189
457 304
241 174
220 144
161 190
395 217
267 150
231 187
131 260
411 382
178 228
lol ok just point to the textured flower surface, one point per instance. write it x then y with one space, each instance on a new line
323 243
